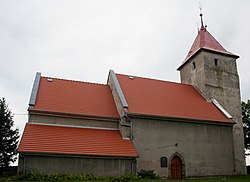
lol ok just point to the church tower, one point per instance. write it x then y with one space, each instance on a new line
212 70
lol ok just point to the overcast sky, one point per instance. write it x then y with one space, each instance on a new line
84 39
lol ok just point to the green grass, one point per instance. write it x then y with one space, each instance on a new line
56 177
218 179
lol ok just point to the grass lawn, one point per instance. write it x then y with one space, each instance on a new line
219 179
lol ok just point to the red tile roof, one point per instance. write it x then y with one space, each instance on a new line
79 141
167 99
73 97
204 40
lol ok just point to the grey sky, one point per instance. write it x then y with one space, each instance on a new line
83 39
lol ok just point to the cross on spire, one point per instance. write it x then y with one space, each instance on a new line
202 25
201 15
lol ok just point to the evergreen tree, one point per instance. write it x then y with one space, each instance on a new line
8 136
246 124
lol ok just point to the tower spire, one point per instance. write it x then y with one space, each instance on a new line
205 41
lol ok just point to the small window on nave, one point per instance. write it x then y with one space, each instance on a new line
164 162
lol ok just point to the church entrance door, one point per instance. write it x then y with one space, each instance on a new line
176 168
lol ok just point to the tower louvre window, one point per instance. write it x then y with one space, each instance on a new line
194 66
216 62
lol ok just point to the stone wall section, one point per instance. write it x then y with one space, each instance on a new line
221 82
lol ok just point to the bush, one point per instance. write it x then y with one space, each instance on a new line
125 178
68 177
53 177
147 174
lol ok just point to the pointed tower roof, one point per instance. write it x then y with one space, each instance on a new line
204 40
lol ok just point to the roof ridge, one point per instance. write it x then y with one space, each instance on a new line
63 79
160 80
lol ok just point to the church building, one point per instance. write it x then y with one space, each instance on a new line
179 130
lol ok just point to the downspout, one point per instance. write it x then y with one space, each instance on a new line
234 168
125 114
131 125
134 162
133 167
24 162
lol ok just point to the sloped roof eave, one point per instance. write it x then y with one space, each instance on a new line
209 50
77 155
178 119
44 112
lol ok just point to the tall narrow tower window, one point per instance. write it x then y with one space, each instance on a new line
194 66
216 62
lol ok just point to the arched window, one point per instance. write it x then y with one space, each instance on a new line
164 162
